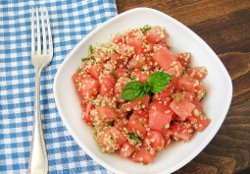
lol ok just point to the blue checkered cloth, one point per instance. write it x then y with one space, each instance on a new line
70 22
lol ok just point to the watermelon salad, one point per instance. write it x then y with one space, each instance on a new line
139 96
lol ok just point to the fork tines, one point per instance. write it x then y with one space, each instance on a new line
39 17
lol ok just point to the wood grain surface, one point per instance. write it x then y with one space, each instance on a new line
225 26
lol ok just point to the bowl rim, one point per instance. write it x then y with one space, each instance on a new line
211 134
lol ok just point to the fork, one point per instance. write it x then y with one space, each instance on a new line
41 56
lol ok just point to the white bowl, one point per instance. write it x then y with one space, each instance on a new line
216 102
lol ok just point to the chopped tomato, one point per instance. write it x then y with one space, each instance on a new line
200 91
126 150
186 95
105 101
147 48
137 61
105 113
100 54
167 136
150 65
175 69
96 70
80 73
174 81
121 123
136 43
158 97
164 58
159 116
154 139
198 104
121 72
121 113
110 139
141 113
88 87
137 104
200 122
126 50
140 75
198 119
118 39
87 107
144 155
155 35
116 58
107 85
120 138
181 131
185 84
76 76
184 59
197 73
182 108
137 124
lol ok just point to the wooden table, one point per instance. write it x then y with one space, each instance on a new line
225 26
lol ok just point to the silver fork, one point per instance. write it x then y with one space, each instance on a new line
40 58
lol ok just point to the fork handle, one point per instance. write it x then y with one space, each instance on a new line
38 163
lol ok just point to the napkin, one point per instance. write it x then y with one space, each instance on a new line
70 22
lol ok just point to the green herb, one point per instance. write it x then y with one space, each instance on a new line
146 88
163 127
133 90
205 71
115 74
183 73
135 137
85 59
177 97
142 124
136 117
92 101
110 123
120 61
145 28
140 103
98 104
91 49
95 134
157 82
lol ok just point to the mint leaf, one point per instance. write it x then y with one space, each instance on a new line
85 59
135 137
145 28
146 88
133 90
91 49
158 81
